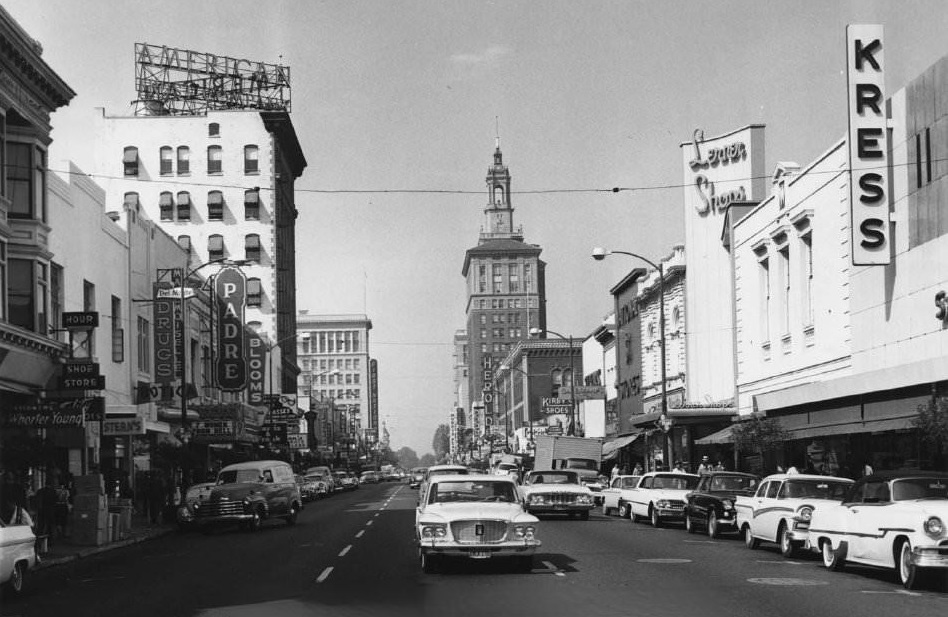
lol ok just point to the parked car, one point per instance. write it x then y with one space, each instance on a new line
557 492
891 520
616 496
345 480
369 477
711 504
17 555
781 508
660 496
250 493
474 517
314 487
595 484
416 477
195 494
325 475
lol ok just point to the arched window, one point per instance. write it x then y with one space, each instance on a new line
251 164
184 160
215 206
252 247
252 205
214 156
130 160
184 206
166 206
213 129
215 247
166 161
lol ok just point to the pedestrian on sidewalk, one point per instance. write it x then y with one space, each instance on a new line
46 509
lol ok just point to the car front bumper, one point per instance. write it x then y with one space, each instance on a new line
930 556
479 551
559 508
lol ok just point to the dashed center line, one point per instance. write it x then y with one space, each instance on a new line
361 531
368 524
345 550
325 574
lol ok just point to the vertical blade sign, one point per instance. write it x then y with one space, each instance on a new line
230 286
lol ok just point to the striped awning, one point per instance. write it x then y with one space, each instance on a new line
611 448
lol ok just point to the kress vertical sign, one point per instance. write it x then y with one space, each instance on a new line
230 287
868 146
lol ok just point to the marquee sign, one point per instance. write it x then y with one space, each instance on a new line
186 82
230 286
868 146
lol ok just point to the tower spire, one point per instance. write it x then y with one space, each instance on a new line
497 131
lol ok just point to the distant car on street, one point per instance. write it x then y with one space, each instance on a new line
369 477
660 496
558 491
416 476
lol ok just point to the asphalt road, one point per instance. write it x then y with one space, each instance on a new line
353 554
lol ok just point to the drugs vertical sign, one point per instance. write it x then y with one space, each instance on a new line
230 288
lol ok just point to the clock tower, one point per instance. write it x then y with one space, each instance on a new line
498 213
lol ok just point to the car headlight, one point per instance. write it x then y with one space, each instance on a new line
662 503
934 527
728 504
433 531
584 499
525 531
536 499
805 513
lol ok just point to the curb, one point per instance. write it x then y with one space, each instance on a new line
51 562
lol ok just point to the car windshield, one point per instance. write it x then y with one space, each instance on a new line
920 488
675 481
629 482
480 490
733 483
813 489
231 476
553 477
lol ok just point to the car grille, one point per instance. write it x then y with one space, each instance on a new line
558 499
465 532
224 507
674 504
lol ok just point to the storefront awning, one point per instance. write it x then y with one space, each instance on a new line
725 435
903 376
611 448
877 426
686 415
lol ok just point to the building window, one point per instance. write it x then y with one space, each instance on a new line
213 129
483 332
215 206
56 297
252 247
184 206
118 332
184 160
497 277
483 347
144 345
166 161
26 182
784 307
251 164
130 160
764 281
185 243
252 205
20 294
806 289
527 277
215 247
165 206
254 292
483 319
214 157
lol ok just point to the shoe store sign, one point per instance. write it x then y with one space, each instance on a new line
868 146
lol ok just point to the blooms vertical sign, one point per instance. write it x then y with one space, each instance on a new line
230 287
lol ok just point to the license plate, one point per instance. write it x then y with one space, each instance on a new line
479 554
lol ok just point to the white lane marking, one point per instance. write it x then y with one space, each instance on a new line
369 524
344 551
663 560
786 581
361 531
374 515
551 568
700 542
793 563
305 545
324 575
904 592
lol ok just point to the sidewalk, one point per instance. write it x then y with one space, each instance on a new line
64 550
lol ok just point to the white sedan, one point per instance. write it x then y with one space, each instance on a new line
473 517
17 555
892 520
661 495
781 508
558 491
617 497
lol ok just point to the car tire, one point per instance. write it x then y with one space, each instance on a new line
714 529
656 518
689 524
832 558
625 510
909 574
293 515
787 548
254 523
429 563
749 540
17 582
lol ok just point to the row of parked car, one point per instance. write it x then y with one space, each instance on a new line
895 520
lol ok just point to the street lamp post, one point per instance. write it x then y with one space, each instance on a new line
599 254
572 376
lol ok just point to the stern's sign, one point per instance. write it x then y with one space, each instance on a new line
868 146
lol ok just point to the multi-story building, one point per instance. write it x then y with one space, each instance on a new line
336 372
220 181
506 288
461 382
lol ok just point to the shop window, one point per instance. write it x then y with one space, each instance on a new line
215 206
184 206
251 163
215 247
166 161
252 205
130 161
184 161
214 158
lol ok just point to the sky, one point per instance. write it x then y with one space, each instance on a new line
397 105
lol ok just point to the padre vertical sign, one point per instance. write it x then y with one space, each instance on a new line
868 146
230 287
